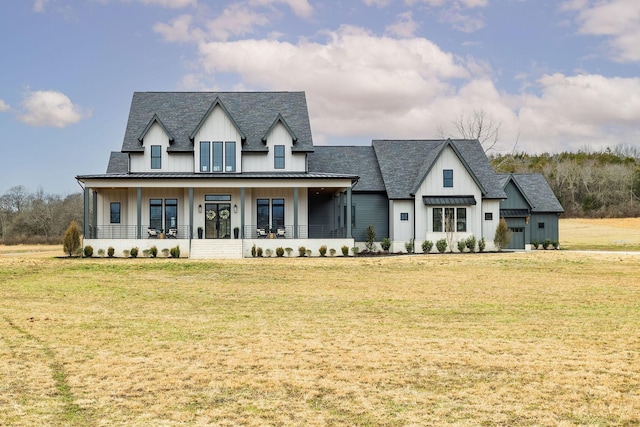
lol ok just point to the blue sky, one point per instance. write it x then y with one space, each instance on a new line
554 75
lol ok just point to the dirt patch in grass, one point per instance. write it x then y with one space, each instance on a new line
621 234
542 338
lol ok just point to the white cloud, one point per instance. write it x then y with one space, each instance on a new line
4 106
618 20
301 8
174 4
38 5
404 26
50 108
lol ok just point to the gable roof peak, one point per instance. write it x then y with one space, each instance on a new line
217 103
156 119
280 119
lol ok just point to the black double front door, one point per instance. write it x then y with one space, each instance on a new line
217 221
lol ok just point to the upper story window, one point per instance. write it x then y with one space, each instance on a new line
217 156
278 157
156 157
205 156
447 178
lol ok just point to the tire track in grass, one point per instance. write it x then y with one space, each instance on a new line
72 413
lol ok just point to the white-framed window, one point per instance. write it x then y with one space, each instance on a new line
447 178
404 216
278 157
217 156
449 220
156 157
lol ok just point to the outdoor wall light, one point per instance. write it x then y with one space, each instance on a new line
199 208
235 208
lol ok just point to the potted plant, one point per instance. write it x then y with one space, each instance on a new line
200 231
236 232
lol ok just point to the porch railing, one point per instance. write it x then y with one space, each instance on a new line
117 231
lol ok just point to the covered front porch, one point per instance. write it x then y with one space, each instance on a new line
206 216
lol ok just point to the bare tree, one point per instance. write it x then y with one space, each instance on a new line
477 125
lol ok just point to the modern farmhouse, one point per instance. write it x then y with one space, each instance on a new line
217 173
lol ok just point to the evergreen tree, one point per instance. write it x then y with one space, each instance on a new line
71 239
503 235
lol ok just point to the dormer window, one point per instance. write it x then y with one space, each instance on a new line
278 157
156 157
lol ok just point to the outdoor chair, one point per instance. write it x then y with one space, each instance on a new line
172 233
262 234
280 232
153 233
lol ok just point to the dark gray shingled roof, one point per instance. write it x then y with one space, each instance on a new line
118 162
405 163
535 188
356 160
253 112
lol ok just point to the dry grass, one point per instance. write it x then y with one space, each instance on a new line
620 234
543 338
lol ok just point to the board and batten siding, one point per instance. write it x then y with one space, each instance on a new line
217 127
433 185
170 162
264 161
550 230
401 231
515 199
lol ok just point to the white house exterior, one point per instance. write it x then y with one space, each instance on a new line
242 167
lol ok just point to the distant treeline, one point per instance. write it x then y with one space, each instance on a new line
588 184
37 217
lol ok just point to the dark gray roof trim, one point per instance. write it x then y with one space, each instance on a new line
156 119
215 176
449 200
281 119
513 213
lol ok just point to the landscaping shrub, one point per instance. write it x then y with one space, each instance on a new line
134 252
88 251
259 252
125 253
409 246
175 252
345 250
332 252
166 252
534 244
441 245
110 251
355 250
502 236
289 251
481 245
153 251
385 244
546 243
302 251
146 253
427 245
555 244
461 245
253 250
470 243
279 251
323 250
308 252
268 252
71 239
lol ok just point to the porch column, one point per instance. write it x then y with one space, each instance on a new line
86 225
190 212
295 213
139 214
348 219
242 212
94 216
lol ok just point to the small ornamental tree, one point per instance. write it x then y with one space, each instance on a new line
502 236
71 239
371 238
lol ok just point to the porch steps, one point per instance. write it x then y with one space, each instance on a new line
216 249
